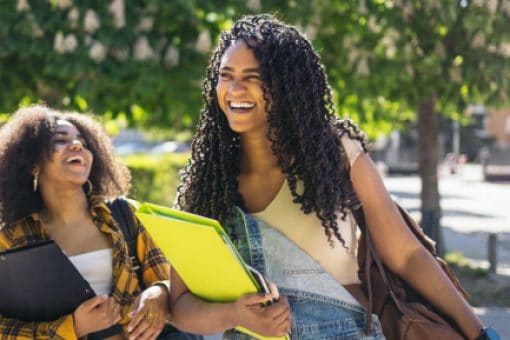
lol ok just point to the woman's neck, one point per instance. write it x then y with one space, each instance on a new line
256 154
63 207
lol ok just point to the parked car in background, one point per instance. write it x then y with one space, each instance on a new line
131 141
495 161
130 148
170 147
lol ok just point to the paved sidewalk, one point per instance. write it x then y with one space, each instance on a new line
497 317
473 246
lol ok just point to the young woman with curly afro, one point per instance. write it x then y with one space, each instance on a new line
56 171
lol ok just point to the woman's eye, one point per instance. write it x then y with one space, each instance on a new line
224 76
253 77
60 141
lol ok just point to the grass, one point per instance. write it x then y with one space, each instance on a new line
462 266
485 289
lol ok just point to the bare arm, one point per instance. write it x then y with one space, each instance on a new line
410 260
194 315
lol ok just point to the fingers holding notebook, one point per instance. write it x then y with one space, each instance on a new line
95 314
266 320
149 313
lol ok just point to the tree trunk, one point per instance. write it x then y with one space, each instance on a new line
428 146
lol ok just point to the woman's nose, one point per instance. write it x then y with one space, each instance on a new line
76 144
236 86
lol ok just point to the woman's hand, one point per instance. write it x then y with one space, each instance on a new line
95 314
275 293
253 313
149 313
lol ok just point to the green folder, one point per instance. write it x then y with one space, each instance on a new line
202 254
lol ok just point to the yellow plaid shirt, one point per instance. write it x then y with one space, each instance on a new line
125 282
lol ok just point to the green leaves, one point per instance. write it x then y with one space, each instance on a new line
405 50
146 59
142 58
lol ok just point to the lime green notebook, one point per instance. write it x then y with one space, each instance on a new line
202 253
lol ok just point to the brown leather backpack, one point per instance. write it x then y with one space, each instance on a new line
403 313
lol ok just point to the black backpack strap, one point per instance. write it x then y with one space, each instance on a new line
123 215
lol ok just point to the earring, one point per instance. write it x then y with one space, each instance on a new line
36 179
90 187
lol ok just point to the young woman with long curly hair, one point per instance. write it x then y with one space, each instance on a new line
269 142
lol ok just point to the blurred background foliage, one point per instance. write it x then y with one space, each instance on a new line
143 61
140 63
155 177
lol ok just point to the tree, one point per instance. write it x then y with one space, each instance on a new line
143 59
427 56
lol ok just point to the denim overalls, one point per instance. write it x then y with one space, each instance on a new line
317 311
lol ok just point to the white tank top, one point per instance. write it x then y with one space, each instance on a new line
96 268
306 230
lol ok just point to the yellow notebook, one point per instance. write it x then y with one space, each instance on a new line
203 255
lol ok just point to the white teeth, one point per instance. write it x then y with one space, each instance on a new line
241 105
75 158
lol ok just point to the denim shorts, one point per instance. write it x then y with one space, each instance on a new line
316 313
317 317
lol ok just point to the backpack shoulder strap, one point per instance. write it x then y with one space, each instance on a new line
123 215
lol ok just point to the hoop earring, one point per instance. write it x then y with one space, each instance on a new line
35 182
90 187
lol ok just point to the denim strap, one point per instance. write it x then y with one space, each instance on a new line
249 240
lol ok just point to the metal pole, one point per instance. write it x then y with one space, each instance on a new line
456 138
492 252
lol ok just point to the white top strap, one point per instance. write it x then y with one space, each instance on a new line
352 148
96 267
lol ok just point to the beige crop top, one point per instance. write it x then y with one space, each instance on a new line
306 231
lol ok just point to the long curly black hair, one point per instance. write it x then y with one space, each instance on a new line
303 129
25 142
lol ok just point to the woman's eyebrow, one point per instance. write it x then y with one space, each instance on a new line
65 133
246 70
251 70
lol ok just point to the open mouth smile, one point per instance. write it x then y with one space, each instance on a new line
240 106
75 160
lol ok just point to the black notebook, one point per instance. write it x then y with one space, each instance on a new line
39 283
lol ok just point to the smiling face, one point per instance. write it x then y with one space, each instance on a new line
240 90
70 160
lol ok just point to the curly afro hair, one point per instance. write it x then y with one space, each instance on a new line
303 129
25 142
